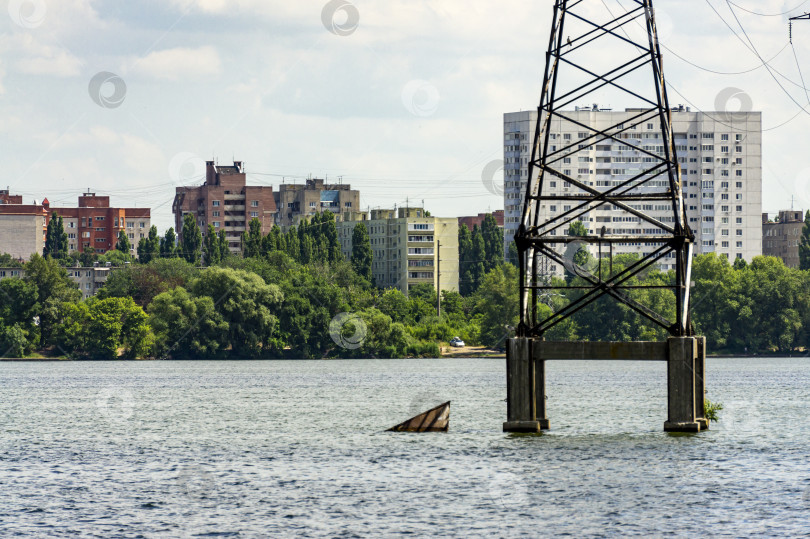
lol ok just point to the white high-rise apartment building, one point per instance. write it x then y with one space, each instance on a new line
720 155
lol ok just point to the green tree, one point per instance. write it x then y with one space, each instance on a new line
8 261
362 255
211 250
123 244
149 247
498 305
168 244
252 239
512 254
56 240
465 257
292 243
19 305
247 304
493 242
477 258
804 245
222 244
191 239
115 324
187 327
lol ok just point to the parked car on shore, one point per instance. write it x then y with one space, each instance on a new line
456 342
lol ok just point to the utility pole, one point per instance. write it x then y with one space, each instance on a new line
438 278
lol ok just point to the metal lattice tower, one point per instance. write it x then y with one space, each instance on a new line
593 51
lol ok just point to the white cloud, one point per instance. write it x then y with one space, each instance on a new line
36 58
179 63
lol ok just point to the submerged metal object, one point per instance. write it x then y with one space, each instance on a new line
434 420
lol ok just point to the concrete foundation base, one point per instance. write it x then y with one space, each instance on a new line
525 426
526 377
672 426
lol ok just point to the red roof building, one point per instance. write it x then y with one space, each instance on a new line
94 224
478 220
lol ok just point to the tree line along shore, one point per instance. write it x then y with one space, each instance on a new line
292 295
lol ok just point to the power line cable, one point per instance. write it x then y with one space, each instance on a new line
769 14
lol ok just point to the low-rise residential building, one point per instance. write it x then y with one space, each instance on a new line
22 226
477 220
226 202
781 237
297 202
88 280
93 224
409 247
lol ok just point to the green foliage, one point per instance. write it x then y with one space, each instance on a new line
8 261
211 251
252 240
191 240
498 304
512 254
479 252
362 255
168 244
247 304
115 257
106 329
123 244
187 327
804 244
14 342
711 410
493 242
149 247
144 282
56 240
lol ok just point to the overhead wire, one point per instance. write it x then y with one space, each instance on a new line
769 14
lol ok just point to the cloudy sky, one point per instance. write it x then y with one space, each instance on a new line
402 99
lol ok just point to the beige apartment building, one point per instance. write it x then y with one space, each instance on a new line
296 202
22 230
782 236
408 247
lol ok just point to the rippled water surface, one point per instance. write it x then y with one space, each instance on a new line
250 449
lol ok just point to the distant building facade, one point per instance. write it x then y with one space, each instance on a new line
781 238
297 202
408 247
95 225
478 220
88 280
226 202
721 170
22 226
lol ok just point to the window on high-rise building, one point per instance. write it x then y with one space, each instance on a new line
215 203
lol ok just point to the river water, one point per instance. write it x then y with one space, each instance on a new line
284 448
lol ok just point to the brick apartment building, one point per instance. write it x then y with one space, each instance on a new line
474 220
781 238
226 202
296 202
94 224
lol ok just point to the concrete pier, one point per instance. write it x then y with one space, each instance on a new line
526 377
